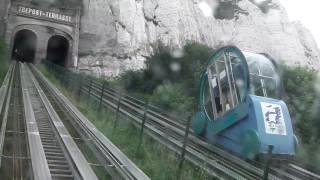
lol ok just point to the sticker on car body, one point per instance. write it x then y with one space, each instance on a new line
273 119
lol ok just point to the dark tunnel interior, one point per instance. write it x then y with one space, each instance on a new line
57 52
24 46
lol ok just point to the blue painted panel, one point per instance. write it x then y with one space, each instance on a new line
230 137
249 128
234 135
283 144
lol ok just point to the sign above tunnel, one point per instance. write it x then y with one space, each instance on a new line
44 14
48 22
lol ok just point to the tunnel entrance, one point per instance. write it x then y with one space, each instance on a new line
58 48
35 32
24 47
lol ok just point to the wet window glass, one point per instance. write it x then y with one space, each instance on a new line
264 80
226 82
150 75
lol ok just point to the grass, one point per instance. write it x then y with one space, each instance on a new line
309 157
156 160
4 64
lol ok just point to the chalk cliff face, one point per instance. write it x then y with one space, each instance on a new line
116 35
4 5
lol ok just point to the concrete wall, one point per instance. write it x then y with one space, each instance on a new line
43 34
44 30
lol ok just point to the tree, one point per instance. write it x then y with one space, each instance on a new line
170 66
299 85
3 59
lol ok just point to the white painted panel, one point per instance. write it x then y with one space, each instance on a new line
273 119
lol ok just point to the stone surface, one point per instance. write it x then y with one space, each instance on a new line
117 35
4 5
43 28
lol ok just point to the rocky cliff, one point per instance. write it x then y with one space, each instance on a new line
116 35
4 5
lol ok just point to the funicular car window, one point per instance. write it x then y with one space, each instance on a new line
226 82
263 78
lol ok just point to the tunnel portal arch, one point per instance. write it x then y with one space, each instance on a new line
58 50
44 33
57 24
24 46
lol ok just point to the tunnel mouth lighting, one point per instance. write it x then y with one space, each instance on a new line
24 47
57 51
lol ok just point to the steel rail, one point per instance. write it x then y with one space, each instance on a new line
138 107
38 159
173 142
5 94
16 155
213 163
74 152
163 122
81 132
60 164
178 125
176 145
197 157
302 173
124 166
285 172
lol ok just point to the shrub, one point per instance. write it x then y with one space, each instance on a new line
3 59
169 97
308 156
139 81
171 79
303 101
183 66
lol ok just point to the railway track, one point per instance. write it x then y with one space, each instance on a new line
43 138
171 134
15 157
170 131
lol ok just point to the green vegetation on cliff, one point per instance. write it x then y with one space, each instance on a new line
171 82
3 61
302 95
171 77
155 159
